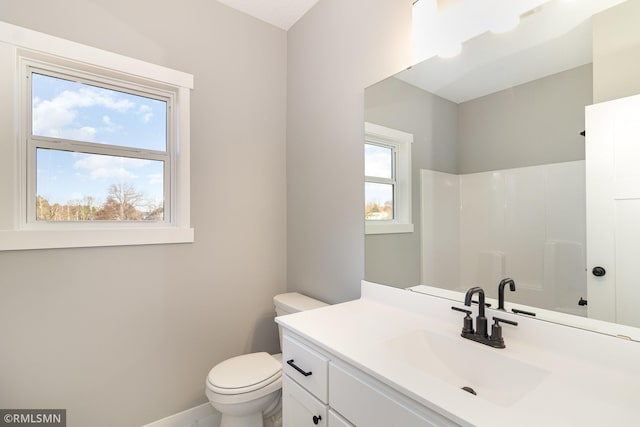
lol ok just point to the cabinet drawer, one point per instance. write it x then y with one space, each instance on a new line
300 408
306 366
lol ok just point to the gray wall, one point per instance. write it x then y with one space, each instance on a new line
335 51
616 52
534 123
124 336
433 122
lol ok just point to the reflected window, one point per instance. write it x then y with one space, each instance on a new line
380 182
387 183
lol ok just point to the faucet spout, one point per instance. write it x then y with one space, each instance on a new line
503 283
469 295
481 320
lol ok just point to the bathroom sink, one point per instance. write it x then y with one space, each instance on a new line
492 375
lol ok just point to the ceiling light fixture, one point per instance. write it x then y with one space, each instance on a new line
442 30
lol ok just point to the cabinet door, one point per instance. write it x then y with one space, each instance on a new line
299 408
336 420
369 403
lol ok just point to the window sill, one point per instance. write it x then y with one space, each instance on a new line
394 228
15 240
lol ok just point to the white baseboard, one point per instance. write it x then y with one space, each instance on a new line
199 416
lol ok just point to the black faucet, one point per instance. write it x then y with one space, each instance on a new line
480 334
503 283
481 321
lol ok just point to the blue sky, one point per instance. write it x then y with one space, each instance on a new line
76 111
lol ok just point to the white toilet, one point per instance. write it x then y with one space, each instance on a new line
246 389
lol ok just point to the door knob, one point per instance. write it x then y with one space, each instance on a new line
599 271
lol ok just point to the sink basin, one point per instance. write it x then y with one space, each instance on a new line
493 376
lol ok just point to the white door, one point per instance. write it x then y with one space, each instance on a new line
613 210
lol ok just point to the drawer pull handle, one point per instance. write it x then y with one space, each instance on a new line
297 368
316 419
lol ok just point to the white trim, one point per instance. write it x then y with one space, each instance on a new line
33 40
202 416
388 228
387 134
13 240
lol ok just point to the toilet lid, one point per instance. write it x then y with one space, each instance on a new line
245 373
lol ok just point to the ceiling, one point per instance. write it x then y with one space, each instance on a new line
281 13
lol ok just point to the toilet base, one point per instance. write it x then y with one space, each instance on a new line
251 413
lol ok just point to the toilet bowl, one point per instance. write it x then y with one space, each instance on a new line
246 389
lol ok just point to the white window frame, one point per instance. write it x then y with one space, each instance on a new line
21 48
400 142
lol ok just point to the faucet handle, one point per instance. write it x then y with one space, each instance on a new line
467 325
496 331
508 322
462 310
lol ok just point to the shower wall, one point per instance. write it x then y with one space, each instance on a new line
525 223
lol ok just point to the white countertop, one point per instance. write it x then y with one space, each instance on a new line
588 379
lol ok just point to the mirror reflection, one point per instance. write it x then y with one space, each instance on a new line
497 159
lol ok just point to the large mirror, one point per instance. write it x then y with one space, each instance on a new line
497 177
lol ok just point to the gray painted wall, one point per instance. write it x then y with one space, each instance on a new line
616 52
335 51
124 336
433 122
535 123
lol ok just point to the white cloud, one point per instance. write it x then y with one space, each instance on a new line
109 167
85 133
146 112
57 117
110 125
155 178
378 164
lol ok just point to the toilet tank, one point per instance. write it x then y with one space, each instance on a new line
293 302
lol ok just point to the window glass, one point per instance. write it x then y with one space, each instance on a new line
378 161
77 111
378 201
75 186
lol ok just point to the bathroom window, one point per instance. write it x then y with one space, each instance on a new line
97 150
95 146
387 184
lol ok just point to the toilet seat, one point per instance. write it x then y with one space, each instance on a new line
245 374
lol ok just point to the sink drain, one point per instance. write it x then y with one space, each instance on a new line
469 390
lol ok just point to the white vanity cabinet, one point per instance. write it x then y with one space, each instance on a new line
321 390
396 358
